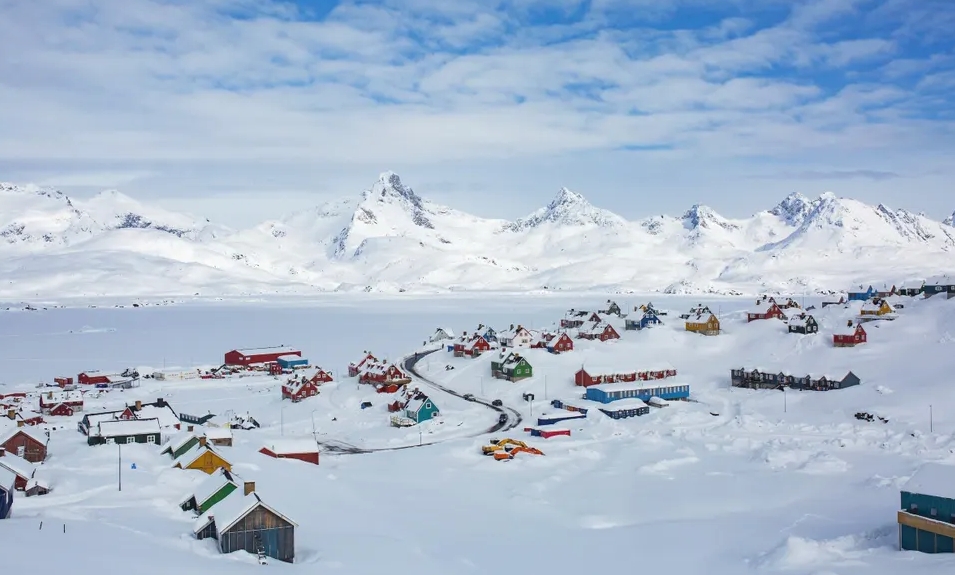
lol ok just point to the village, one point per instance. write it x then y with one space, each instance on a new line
549 384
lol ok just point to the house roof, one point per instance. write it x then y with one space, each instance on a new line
7 479
634 385
212 484
595 328
120 427
846 330
804 320
178 440
268 350
940 281
415 404
763 306
623 404
236 506
37 482
38 435
912 284
292 357
95 418
512 360
217 432
932 479
702 317
194 453
474 342
292 446
58 397
446 330
18 465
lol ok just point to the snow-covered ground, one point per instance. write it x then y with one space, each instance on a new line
733 482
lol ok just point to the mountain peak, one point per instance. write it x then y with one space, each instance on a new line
389 190
700 216
568 208
566 197
793 209
950 220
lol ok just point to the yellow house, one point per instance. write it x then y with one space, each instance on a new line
703 323
202 457
876 309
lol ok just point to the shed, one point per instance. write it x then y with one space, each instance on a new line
23 469
29 443
551 419
202 457
37 486
625 408
7 481
249 356
219 436
420 408
126 431
291 361
302 449
243 522
211 490
927 515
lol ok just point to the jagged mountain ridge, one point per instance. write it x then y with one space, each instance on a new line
390 238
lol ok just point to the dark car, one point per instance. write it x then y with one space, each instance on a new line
468 396
502 418
497 403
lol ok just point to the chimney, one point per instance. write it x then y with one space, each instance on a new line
160 402
849 323
139 405
20 423
249 487
202 440
49 395
12 413
190 428
2 451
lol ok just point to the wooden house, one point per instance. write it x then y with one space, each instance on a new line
849 336
441 334
518 336
765 309
610 392
704 324
649 307
250 356
298 389
841 301
23 469
53 400
926 516
648 319
305 449
472 348
939 285
37 486
420 408
126 431
599 330
588 377
511 366
243 522
320 376
790 303
625 408
560 344
202 457
7 481
487 332
354 369
863 295
803 323
383 373
179 444
760 379
576 318
612 309
876 308
219 436
27 442
210 491
699 309
911 288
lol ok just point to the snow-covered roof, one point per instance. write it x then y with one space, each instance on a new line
178 440
57 397
95 418
236 506
446 331
415 404
267 350
291 357
940 281
703 317
512 360
119 427
37 482
622 404
802 319
194 453
31 431
933 479
474 342
18 465
165 415
7 479
912 284
871 306
596 328
292 446
846 330
212 484
217 432
657 401
635 385
762 306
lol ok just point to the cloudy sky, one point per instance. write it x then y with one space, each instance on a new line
245 109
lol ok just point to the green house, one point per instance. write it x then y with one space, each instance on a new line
927 515
420 409
512 367
212 490
123 431
179 444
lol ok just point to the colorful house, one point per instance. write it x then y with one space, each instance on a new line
703 323
576 318
299 389
649 318
511 366
179 444
301 449
763 379
7 481
518 336
202 457
51 400
803 323
849 336
598 330
354 369
291 361
249 356
29 443
560 343
911 288
210 491
861 295
625 408
243 522
126 431
765 309
876 308
441 334
420 408
927 515
472 348
610 392
612 309
23 469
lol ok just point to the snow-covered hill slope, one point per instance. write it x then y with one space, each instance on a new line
390 238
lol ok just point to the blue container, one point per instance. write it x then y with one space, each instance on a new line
552 419
292 362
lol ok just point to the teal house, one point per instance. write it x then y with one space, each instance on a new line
179 444
927 517
420 408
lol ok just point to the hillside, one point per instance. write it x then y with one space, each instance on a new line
390 239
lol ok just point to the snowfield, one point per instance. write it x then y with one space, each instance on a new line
734 481
390 239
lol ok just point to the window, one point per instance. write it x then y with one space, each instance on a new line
151 438
21 450
933 512
130 439
914 508
110 441
428 405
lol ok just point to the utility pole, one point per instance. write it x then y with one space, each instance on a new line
482 386
784 400
420 436
120 465
931 421
282 420
545 388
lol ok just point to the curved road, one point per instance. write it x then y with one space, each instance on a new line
512 418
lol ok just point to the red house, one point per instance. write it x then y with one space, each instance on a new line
21 468
354 369
765 309
299 390
302 449
61 410
63 381
599 331
321 376
249 356
53 399
849 336
384 374
26 442
473 348
584 378
94 377
658 373
561 344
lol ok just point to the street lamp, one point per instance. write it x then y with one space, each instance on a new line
482 386
314 434
282 420
120 468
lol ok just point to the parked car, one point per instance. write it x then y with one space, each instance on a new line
469 396
502 418
497 403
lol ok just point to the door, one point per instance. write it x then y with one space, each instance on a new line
270 543
21 450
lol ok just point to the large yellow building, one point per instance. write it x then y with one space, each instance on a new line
202 457
703 323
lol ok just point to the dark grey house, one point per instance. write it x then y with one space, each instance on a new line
756 379
243 522
939 285
803 323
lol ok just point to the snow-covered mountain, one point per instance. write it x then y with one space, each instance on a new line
389 238
950 220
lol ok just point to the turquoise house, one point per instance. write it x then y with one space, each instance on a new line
421 409
927 515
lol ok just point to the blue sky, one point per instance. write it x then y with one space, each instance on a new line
243 109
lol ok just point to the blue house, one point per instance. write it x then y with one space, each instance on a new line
649 318
940 285
551 419
8 480
291 361
643 390
626 408
420 408
863 295
927 515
